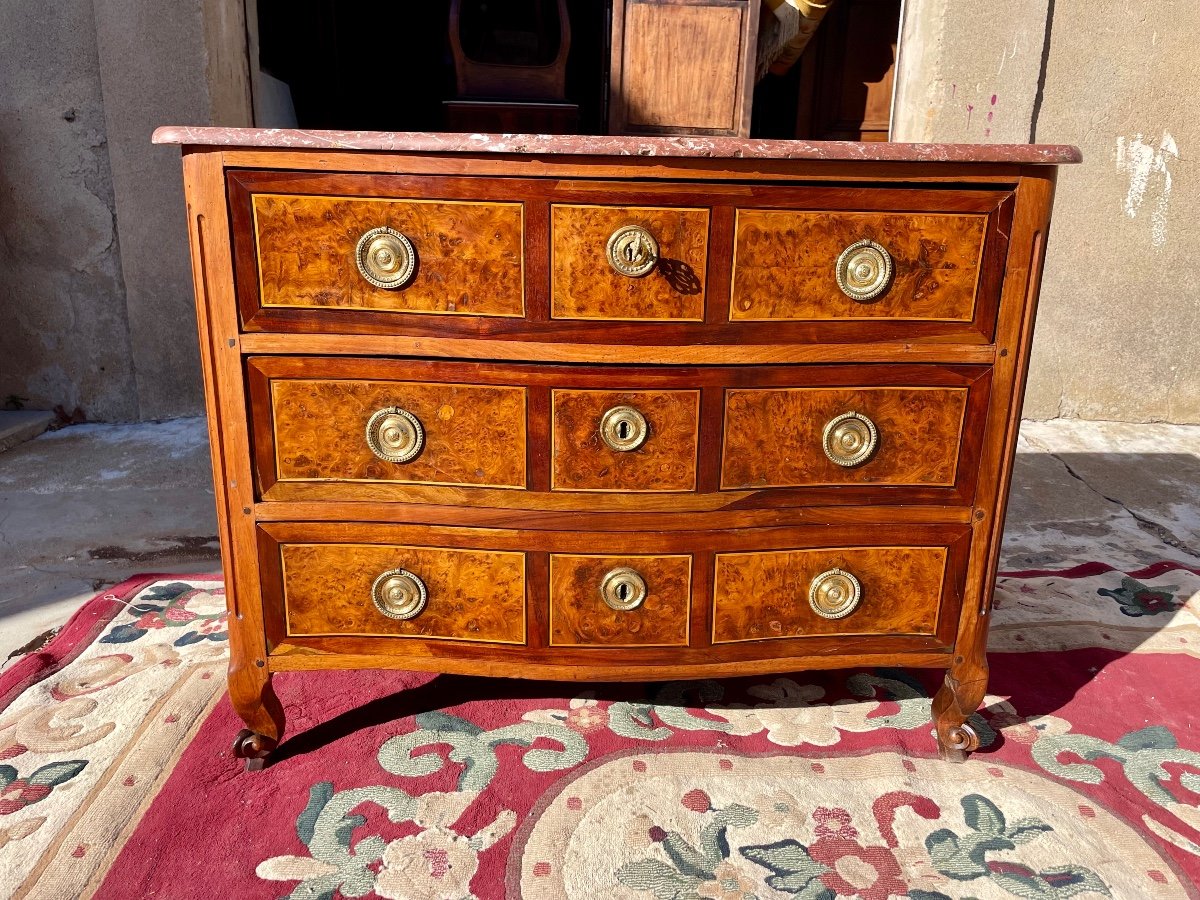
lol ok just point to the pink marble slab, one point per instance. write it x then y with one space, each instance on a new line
608 145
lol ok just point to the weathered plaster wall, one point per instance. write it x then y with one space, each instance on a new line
95 283
1119 323
63 329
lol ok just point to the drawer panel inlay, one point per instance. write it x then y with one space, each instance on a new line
786 265
665 459
646 603
789 437
469 434
470 595
585 284
760 596
466 256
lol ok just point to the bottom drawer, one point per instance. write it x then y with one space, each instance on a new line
667 595
829 590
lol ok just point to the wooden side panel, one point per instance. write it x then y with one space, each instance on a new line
761 596
773 437
474 434
469 255
581 461
579 617
474 595
585 286
785 265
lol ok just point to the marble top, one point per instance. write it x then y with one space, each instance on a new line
610 145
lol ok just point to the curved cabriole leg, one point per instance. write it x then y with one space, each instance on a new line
959 698
254 700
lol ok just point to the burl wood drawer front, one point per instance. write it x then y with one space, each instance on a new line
324 429
663 458
786 265
469 595
766 595
585 285
790 437
453 257
619 601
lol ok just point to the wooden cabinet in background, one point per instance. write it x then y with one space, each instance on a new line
682 66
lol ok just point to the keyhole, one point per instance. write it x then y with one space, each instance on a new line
622 592
623 430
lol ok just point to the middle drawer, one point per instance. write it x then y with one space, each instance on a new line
569 437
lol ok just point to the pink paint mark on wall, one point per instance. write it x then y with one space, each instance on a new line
970 109
993 99
990 114
953 91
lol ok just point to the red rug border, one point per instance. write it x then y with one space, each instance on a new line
80 631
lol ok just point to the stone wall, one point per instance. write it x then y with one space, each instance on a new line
1119 323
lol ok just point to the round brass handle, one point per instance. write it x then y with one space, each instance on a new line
385 258
623 589
395 435
834 594
849 439
632 251
623 429
864 270
399 594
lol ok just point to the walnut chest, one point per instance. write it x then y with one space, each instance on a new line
611 408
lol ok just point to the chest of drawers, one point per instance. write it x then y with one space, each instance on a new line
610 408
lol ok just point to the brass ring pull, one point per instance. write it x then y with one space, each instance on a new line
834 594
864 270
632 251
623 589
623 429
849 439
399 594
385 258
395 435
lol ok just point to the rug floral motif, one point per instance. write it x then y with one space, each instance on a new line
116 778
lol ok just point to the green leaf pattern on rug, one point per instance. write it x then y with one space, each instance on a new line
820 870
16 792
199 614
1143 756
1137 599
475 749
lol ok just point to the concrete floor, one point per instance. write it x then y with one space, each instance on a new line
90 505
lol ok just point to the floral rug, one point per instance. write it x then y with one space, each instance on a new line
117 780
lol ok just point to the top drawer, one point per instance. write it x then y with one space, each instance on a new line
622 264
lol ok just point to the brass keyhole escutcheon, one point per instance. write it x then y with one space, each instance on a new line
623 589
623 429
385 258
864 270
399 594
632 251
850 439
395 435
834 594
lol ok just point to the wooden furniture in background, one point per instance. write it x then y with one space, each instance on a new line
611 409
682 66
847 73
510 66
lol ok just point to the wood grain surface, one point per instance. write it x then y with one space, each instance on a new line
474 434
773 437
579 617
785 265
474 595
584 286
582 461
760 596
469 255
